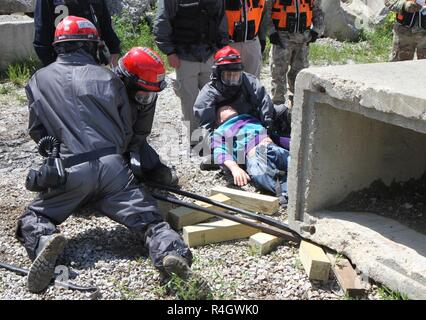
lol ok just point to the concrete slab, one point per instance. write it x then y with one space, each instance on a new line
352 125
17 34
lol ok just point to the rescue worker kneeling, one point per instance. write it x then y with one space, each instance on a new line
86 108
143 74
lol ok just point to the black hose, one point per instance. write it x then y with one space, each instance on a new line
24 272
48 146
253 215
288 235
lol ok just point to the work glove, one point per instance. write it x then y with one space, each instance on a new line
275 38
262 45
314 36
411 6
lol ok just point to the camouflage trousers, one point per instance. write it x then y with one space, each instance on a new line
406 42
291 54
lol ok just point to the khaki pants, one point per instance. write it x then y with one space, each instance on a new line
293 55
406 41
190 79
251 55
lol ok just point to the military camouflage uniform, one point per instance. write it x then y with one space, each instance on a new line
405 39
293 52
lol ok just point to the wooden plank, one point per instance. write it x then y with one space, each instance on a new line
216 231
350 282
182 216
264 243
249 200
164 207
314 260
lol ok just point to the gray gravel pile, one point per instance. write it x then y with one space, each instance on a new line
102 253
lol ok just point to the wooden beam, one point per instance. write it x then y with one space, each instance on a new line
164 208
263 243
350 282
249 200
314 260
216 231
182 216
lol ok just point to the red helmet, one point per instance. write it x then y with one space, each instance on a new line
228 56
144 68
74 28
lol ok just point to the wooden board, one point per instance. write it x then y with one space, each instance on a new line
314 260
216 231
182 216
249 200
347 277
264 243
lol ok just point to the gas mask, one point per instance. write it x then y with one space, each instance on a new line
231 77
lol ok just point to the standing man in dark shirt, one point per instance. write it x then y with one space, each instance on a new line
189 32
48 14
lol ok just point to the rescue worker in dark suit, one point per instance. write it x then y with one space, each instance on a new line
85 108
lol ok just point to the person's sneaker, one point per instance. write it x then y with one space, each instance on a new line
162 174
207 164
43 267
194 286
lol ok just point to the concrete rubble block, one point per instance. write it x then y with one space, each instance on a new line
352 125
13 6
16 33
345 20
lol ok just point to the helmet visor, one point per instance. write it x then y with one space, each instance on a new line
144 97
231 78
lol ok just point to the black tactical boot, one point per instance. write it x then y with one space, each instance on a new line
174 264
162 174
43 267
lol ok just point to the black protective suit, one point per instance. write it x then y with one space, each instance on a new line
86 108
251 99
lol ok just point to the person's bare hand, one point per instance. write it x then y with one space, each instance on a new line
174 60
241 178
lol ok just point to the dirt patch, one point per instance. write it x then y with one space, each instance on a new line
404 202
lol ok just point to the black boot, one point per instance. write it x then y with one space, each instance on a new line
162 174
194 286
43 267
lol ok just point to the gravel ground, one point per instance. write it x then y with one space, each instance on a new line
102 253
404 202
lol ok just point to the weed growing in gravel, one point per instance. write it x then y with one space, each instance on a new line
126 292
297 264
5 90
19 72
386 293
187 290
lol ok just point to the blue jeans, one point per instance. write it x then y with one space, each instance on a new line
267 167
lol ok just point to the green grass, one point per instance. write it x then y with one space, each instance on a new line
5 90
374 46
19 72
186 289
135 36
386 293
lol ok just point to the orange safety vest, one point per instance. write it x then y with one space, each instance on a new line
409 19
244 18
292 15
